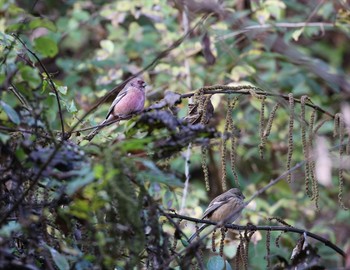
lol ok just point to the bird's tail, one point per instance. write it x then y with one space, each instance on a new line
201 228
93 133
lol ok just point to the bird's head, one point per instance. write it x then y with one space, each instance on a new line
138 82
237 193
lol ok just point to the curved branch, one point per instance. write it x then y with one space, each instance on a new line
161 55
250 90
50 82
264 228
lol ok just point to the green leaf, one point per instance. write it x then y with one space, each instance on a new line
46 46
156 175
242 71
297 33
107 45
80 209
72 108
184 242
2 78
11 113
135 144
60 260
216 263
14 10
98 170
4 137
62 89
39 22
6 39
81 15
84 176
31 76
8 229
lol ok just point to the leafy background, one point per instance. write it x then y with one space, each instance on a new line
94 195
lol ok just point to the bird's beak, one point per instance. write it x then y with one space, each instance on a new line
144 84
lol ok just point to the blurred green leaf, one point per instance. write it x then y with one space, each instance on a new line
184 242
156 175
4 137
72 108
62 89
31 76
46 46
83 177
10 228
11 113
107 45
59 259
297 33
42 22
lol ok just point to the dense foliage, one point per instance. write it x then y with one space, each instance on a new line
276 73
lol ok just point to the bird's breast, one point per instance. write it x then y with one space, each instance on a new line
132 102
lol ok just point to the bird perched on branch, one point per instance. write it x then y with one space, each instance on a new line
226 207
130 100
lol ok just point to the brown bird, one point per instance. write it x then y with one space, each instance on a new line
130 100
226 207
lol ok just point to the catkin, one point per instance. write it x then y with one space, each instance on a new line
262 126
270 121
341 132
290 136
268 242
311 162
222 240
223 145
233 153
305 146
204 153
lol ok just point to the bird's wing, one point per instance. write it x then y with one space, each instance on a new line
216 203
116 100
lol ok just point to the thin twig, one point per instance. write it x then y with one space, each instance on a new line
25 131
50 82
277 25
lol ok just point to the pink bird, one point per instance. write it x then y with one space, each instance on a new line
129 101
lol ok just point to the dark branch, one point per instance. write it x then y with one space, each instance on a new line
263 228
249 90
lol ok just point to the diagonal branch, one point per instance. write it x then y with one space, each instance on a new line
263 228
161 55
